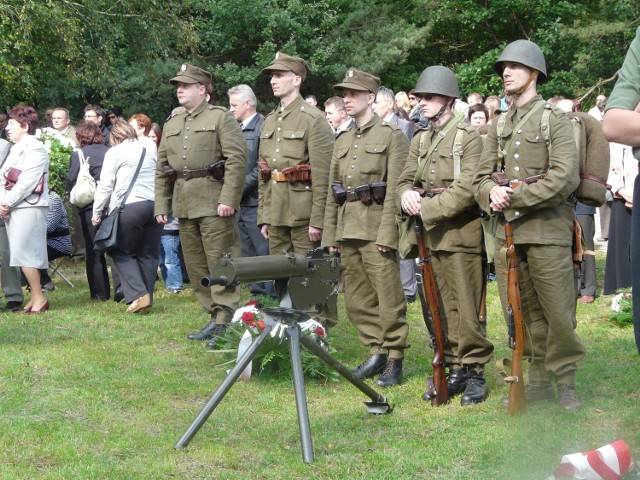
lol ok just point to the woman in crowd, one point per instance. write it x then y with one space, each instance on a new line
155 133
492 103
142 125
24 204
478 116
92 145
402 101
136 259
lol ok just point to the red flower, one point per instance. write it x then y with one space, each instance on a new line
249 318
253 303
261 325
320 331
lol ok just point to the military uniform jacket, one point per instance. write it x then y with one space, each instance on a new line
298 134
375 152
541 212
194 141
451 218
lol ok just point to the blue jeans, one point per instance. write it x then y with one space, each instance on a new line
170 263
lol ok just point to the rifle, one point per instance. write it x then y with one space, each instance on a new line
517 399
438 382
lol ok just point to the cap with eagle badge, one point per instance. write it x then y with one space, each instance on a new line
360 81
191 74
287 63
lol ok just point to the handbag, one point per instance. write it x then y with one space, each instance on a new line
106 239
84 190
13 175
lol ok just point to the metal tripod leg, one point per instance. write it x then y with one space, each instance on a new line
293 332
222 390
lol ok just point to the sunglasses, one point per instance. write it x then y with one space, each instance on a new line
111 117
412 98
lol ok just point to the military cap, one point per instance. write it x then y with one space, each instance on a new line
191 74
357 80
287 63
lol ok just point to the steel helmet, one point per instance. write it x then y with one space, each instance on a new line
525 52
438 80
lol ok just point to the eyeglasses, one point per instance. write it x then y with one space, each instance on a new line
111 117
59 118
90 116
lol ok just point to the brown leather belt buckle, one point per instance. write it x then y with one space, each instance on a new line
186 174
278 176
515 183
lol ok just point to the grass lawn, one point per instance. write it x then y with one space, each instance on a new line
87 391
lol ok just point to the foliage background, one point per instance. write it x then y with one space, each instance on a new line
64 52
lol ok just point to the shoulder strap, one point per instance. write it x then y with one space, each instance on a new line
457 153
81 156
133 180
502 150
439 136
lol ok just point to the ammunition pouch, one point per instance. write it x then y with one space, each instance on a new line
216 170
379 192
298 173
363 193
265 170
339 193
170 173
500 178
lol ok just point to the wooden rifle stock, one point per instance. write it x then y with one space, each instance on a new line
438 383
517 399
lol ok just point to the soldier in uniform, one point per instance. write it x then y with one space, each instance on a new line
441 163
360 224
295 154
539 205
202 163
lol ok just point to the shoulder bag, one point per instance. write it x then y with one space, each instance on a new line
84 190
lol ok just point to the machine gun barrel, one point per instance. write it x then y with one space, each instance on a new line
233 271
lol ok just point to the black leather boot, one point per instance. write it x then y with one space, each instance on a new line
205 333
218 331
476 390
392 374
372 366
457 381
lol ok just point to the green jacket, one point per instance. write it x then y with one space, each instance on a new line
541 212
451 219
375 152
299 134
194 141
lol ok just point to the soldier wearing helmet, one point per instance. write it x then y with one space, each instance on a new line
537 200
436 184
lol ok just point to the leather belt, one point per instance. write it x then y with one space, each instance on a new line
197 173
278 176
528 180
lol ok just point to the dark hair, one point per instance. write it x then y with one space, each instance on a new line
143 121
25 116
401 113
478 107
158 131
117 111
88 133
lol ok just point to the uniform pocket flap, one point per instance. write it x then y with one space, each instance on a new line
266 133
296 134
342 152
375 148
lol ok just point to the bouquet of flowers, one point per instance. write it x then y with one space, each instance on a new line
273 356
59 149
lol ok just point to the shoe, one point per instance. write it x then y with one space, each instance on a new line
140 305
392 374
410 298
457 381
173 291
535 392
568 397
13 306
372 366
42 309
218 331
118 295
476 390
206 333
587 299
48 287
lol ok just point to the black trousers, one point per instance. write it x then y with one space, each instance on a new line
635 259
138 258
96 263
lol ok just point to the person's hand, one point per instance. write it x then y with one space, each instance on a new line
162 219
384 249
500 198
265 231
96 220
411 202
335 250
225 210
5 210
315 234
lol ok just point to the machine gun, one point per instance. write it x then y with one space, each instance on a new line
310 280
437 384
517 399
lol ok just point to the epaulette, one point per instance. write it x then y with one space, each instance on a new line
387 124
216 107
422 129
309 110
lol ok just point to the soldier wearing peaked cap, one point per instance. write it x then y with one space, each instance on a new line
539 205
360 224
294 157
202 163
441 161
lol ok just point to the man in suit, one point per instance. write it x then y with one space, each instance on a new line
61 120
9 276
337 116
242 104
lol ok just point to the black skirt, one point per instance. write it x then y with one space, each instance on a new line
617 272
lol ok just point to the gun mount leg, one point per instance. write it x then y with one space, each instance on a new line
222 390
293 332
378 404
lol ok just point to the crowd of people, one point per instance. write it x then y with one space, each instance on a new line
216 181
